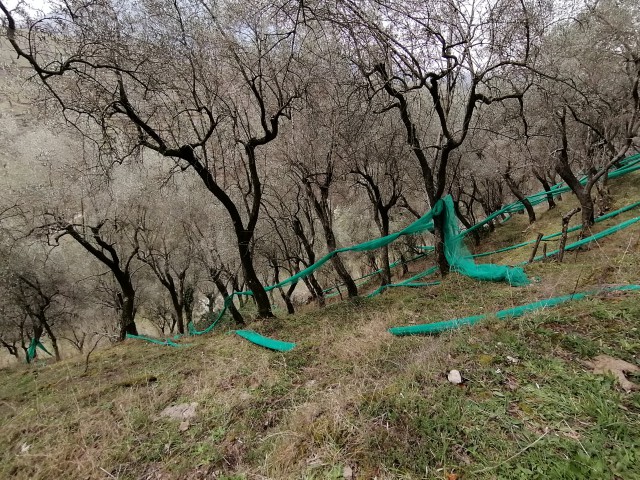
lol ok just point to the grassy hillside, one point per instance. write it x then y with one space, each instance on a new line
352 401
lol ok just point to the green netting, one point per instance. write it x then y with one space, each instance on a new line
628 165
31 351
265 342
592 238
411 283
439 327
461 260
456 252
557 234
167 342
379 271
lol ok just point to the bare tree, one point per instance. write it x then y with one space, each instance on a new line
460 56
186 87
378 171
170 260
593 94
115 245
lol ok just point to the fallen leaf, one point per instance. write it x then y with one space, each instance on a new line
605 364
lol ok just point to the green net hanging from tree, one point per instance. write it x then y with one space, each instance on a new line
456 252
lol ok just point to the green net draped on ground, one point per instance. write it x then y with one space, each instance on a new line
439 327
628 165
456 252
265 342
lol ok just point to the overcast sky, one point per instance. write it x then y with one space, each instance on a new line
31 4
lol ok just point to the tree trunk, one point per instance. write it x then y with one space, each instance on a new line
385 278
286 296
251 277
310 280
235 314
405 267
127 313
337 263
588 212
565 227
52 337
438 232
178 307
467 224
520 196
37 335
564 170
317 289
12 349
547 188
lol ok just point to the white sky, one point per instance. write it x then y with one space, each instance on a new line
30 4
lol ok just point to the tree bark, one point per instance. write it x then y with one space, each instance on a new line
313 284
12 349
440 251
179 309
251 277
386 268
564 170
565 226
336 261
467 224
521 197
547 188
222 288
52 337
128 313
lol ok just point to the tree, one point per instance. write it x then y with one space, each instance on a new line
290 210
593 95
437 63
37 296
205 86
105 241
378 171
170 259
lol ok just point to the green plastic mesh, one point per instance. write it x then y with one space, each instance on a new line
461 260
439 327
265 342
456 252
593 238
31 351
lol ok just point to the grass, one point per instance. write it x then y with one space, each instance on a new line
352 395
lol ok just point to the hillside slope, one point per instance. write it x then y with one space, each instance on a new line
351 400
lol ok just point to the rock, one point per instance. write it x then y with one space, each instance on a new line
182 412
184 426
512 359
347 473
454 377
